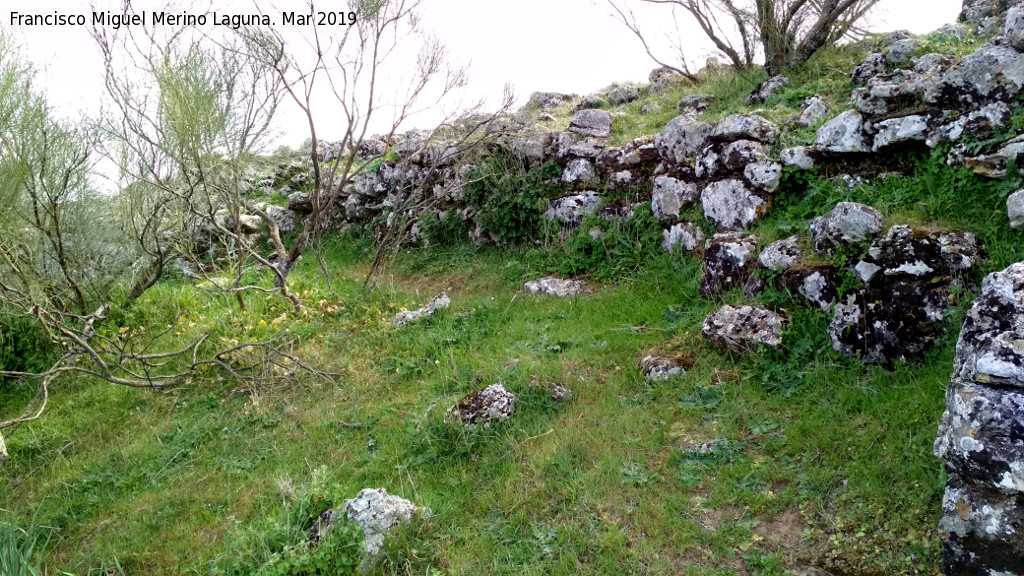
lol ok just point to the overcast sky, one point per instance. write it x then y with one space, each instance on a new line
551 45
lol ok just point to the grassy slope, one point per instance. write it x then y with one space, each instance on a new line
818 458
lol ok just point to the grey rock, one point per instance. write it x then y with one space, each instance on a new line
531 145
744 328
981 123
684 235
596 123
847 223
491 404
765 174
377 512
1013 27
623 95
300 202
908 253
439 302
819 285
681 139
994 165
732 205
815 111
660 73
899 52
283 217
322 526
670 196
650 108
898 132
580 171
891 94
781 255
370 148
802 157
588 102
949 32
694 104
1015 209
873 65
974 11
622 179
589 148
843 134
766 90
994 72
571 210
728 261
559 393
933 63
656 367
718 159
552 286
548 100
744 127
979 435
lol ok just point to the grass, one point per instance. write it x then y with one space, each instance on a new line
743 465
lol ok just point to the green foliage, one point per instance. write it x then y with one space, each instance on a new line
335 555
446 229
20 551
697 462
511 199
607 249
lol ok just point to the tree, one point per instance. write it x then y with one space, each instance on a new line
787 32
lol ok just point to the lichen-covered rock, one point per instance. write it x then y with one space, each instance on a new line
931 63
684 235
994 165
559 393
596 123
802 157
994 72
847 223
670 196
370 148
732 204
890 94
780 255
1013 27
720 159
764 174
744 328
283 217
981 123
975 11
909 253
552 286
377 512
580 171
439 302
900 51
815 111
570 210
981 435
843 134
728 261
491 404
657 367
897 132
623 95
681 139
873 65
818 284
744 127
1015 209
766 90
548 100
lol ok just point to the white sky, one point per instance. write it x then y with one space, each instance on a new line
550 45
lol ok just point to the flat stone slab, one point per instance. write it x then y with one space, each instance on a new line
552 286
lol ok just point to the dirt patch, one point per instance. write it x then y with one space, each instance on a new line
783 530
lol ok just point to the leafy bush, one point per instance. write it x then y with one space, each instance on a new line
510 200
614 249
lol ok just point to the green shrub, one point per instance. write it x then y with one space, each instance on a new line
607 249
509 199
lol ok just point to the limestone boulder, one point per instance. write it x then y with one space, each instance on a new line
732 204
743 328
570 210
728 261
814 111
552 286
670 196
377 512
491 404
439 302
847 223
745 127
843 134
681 139
766 90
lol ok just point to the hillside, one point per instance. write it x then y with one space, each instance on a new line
854 209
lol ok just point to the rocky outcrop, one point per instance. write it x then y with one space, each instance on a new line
743 329
981 435
491 404
728 262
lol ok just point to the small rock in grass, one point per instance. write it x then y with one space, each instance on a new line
439 302
743 328
492 403
550 285
661 367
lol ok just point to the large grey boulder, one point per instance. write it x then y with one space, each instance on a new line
1015 209
597 123
377 512
681 139
570 210
684 235
890 94
847 223
981 435
732 204
439 302
843 134
994 72
491 404
744 328
815 111
670 196
728 261
899 132
745 127
552 286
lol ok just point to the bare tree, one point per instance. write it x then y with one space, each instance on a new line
787 32
360 68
